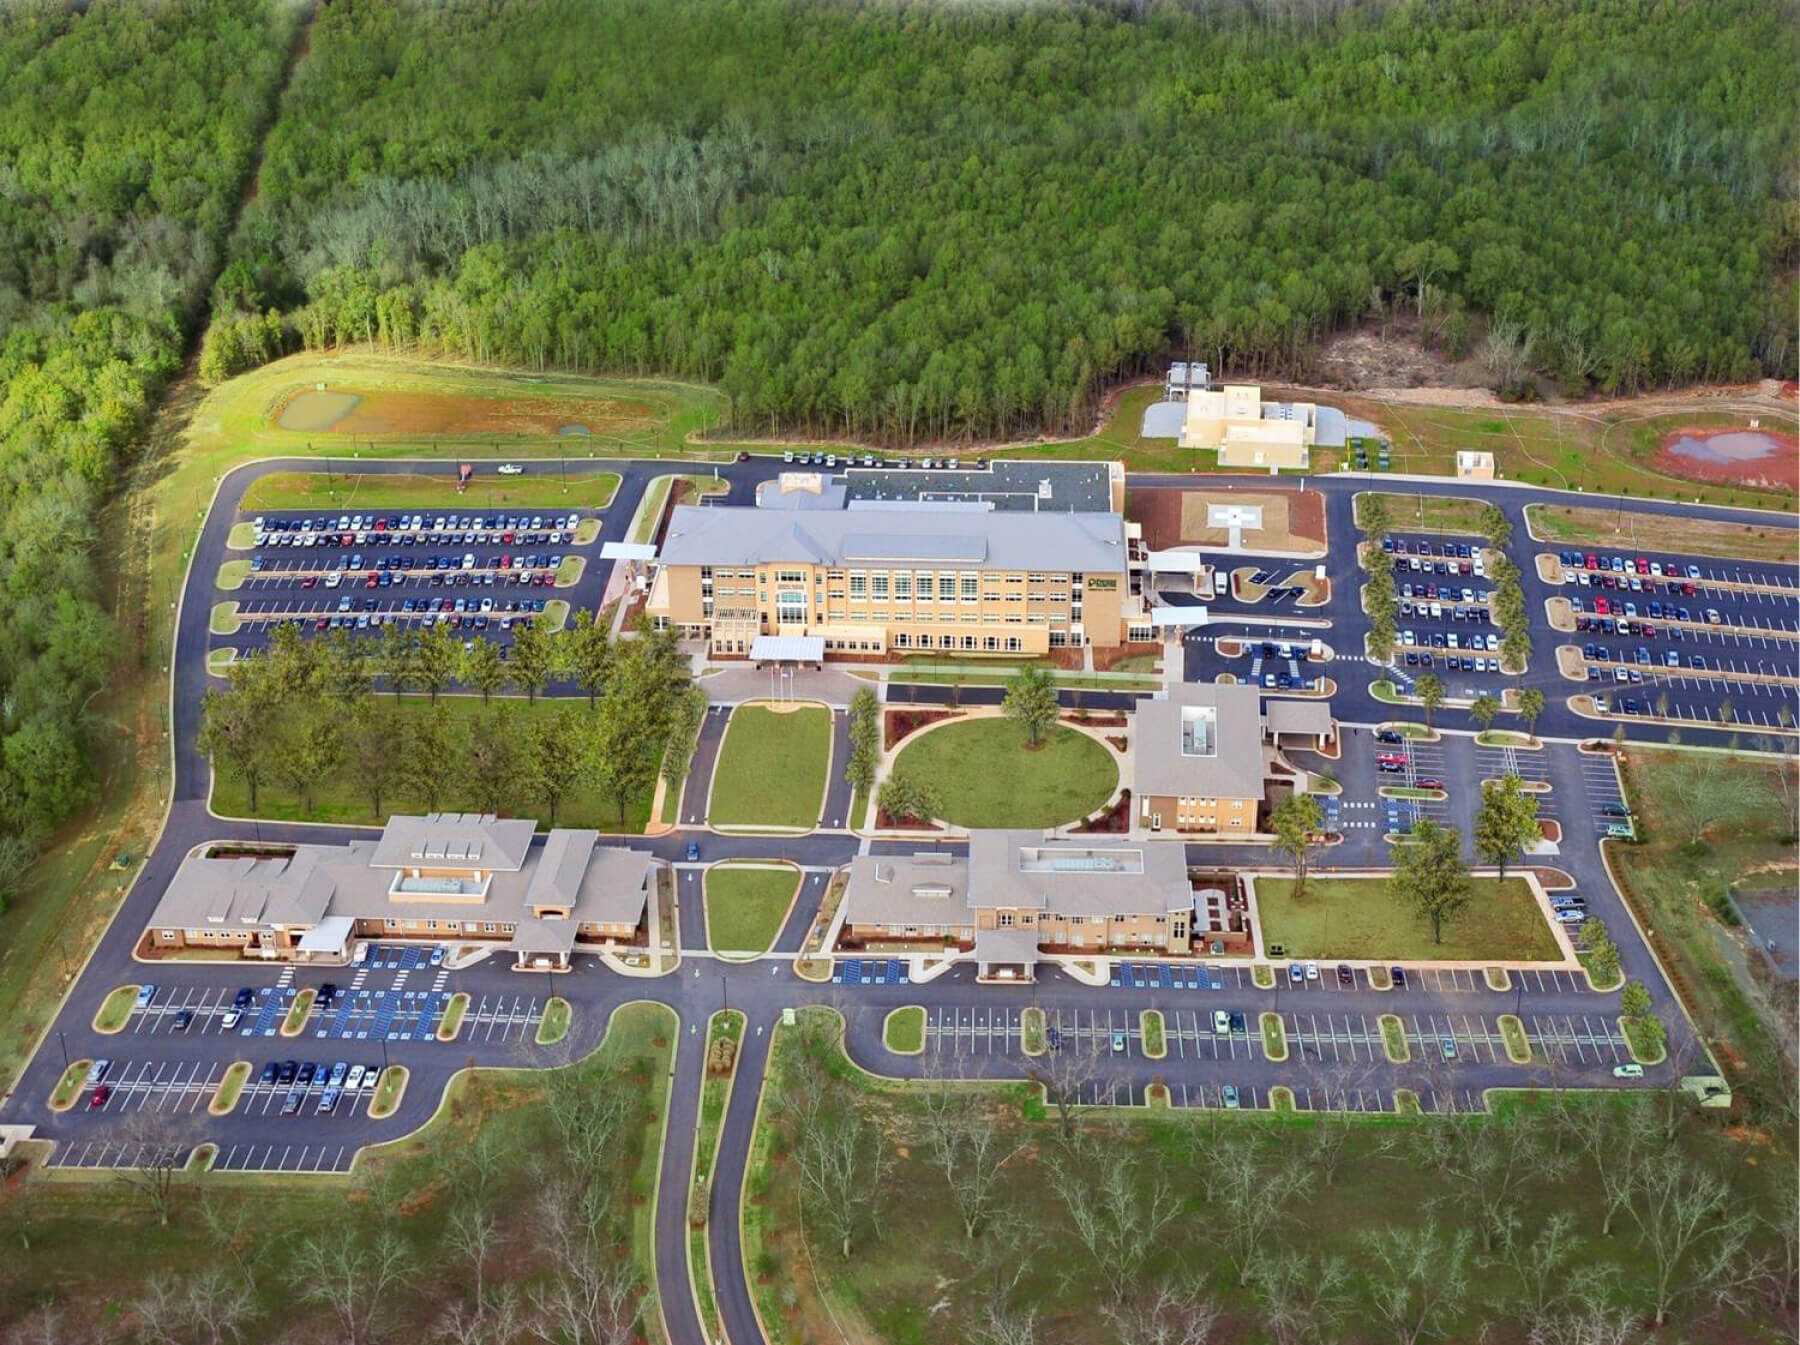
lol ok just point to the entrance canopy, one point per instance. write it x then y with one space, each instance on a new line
328 936
627 551
788 649
1168 618
1174 562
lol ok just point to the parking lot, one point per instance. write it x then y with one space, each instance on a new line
1403 763
1445 617
102 1154
474 573
1709 641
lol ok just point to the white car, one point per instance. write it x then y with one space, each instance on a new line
1628 1071
510 469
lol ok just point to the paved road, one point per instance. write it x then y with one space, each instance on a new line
162 1071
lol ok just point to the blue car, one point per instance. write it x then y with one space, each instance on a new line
693 852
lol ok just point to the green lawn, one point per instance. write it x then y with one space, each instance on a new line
1426 513
985 776
772 768
904 1031
554 1025
543 489
745 906
1356 918
341 798
116 1009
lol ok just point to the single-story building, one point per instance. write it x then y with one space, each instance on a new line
443 877
1249 432
1475 465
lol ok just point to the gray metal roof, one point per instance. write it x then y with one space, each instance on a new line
1312 718
1075 542
1234 767
1021 870
788 648
1006 485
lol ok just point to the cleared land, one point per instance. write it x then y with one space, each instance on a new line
545 489
745 906
772 767
1664 533
342 796
985 776
1356 918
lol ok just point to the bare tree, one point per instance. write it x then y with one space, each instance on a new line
212 1307
1489 1160
592 1295
1302 1300
1252 1199
967 1145
1692 1230
351 1276
1166 1314
473 1235
1004 1325
1419 1279
1119 1214
160 1152
1588 1324
500 1322
1064 1071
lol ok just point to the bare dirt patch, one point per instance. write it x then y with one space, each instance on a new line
346 411
1293 520
1736 455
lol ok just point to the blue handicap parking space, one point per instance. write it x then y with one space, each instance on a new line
269 1015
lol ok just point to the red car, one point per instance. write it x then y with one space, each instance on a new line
1593 561
97 1098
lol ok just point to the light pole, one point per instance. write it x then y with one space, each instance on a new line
725 993
63 1042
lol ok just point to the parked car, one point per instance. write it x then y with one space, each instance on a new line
1221 1022
1346 977
1118 1041
270 1072
1632 1071
1228 1094
510 469
97 1071
1399 976
1448 1045
231 1019
184 1018
1296 973
98 1097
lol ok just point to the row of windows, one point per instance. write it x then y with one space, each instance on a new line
991 644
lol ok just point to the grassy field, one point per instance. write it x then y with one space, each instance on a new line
1660 534
745 906
985 776
340 798
1426 513
772 767
1356 918
554 1025
582 490
1676 889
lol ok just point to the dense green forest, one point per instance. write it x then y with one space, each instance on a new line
929 220
125 133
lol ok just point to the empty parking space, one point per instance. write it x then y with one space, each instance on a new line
501 1018
292 1158
1577 1039
177 1088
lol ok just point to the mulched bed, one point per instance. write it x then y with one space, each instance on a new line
900 723
1104 659
1091 720
886 821
1118 741
1115 819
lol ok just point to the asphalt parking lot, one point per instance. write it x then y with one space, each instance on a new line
476 573
1445 616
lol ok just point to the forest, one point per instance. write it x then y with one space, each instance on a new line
923 221
125 133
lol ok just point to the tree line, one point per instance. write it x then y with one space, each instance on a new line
125 132
302 717
924 222
1574 1218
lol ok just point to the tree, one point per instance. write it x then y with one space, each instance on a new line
1602 952
590 654
235 726
352 1276
436 660
1254 1198
1164 1314
685 719
840 1155
492 757
484 669
1296 822
1531 706
1483 709
397 660
377 747
1064 1071
905 796
1430 690
1374 515
865 740
159 1146
968 1146
1707 788
1507 821
1693 1230
1031 702
429 752
1419 1280
1119 1205
308 747
1430 877
1302 1300
625 747
558 757
533 659
209 1307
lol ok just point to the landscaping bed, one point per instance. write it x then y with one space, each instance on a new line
1114 821
899 724
554 1025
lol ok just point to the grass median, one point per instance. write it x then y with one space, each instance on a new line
1356 918
985 775
554 1025
772 767
903 1032
536 489
745 906
115 1010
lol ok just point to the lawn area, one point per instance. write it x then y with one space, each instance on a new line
656 495
543 488
554 1025
1660 534
451 1023
985 776
116 1009
340 798
745 906
1676 887
389 1090
904 1031
1426 513
1356 918
772 767
225 1096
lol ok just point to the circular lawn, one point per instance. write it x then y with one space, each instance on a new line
986 776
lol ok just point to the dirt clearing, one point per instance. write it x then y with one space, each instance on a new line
1293 520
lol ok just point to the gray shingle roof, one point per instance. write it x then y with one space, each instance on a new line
1084 542
1021 870
921 889
1234 770
476 839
